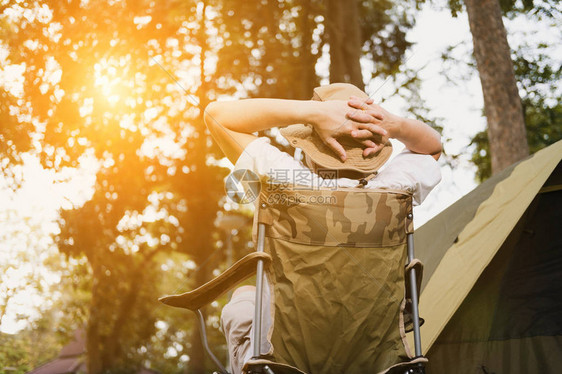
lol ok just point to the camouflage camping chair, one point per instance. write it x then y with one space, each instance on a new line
331 295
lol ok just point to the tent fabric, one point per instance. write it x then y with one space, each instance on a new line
434 238
493 260
337 279
479 240
513 311
539 354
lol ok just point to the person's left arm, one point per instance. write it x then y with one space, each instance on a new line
416 135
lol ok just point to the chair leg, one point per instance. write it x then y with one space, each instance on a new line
203 332
259 290
414 295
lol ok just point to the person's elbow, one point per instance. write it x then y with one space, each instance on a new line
436 155
436 146
211 115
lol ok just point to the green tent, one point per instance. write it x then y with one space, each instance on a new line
492 291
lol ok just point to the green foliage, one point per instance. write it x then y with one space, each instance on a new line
31 347
384 25
60 314
276 44
539 8
14 354
481 156
269 46
94 92
95 88
538 78
15 137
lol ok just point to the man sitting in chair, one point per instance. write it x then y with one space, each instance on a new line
346 133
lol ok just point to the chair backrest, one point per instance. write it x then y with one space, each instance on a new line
337 277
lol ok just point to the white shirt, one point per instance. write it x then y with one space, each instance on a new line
408 171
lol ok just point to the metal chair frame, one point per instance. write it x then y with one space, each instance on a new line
411 275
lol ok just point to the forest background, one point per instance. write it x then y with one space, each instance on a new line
112 191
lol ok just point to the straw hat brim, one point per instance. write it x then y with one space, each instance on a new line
304 137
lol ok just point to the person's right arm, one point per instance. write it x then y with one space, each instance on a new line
232 123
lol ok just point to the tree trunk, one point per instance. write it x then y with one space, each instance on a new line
113 346
93 339
344 37
307 73
197 353
203 238
502 104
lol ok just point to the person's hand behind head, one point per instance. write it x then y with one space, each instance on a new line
335 119
370 117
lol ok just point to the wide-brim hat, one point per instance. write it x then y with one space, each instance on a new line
304 137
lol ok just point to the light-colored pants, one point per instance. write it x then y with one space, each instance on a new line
236 320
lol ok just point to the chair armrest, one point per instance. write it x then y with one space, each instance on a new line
205 294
